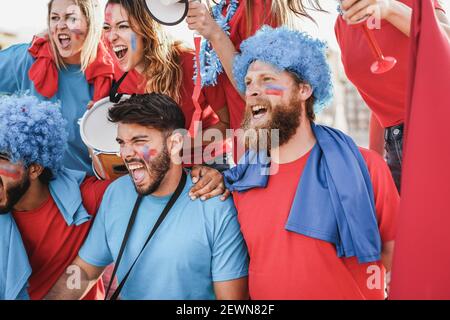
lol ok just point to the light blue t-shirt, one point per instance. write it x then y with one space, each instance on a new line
197 244
14 266
74 93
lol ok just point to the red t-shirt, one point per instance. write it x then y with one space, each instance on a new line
212 99
52 245
261 14
289 266
385 94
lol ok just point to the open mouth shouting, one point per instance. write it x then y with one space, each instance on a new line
259 112
120 52
138 172
64 40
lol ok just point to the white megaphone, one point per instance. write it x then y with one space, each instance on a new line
168 12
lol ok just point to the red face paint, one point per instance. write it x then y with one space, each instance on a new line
148 153
78 33
108 13
275 90
9 171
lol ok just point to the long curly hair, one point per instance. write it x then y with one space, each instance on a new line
162 69
32 131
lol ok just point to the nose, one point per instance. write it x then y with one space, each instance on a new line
62 24
112 35
253 90
127 152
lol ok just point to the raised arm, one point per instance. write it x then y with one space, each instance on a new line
200 20
394 11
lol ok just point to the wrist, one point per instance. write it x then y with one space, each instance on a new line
217 36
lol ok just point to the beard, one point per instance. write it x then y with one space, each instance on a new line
277 130
157 170
14 193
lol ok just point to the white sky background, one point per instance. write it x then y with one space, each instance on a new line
27 17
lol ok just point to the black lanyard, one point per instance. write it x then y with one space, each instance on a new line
161 218
113 95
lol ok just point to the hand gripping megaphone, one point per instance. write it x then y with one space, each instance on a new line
168 12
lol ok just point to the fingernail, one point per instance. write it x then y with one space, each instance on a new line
203 198
193 198
195 180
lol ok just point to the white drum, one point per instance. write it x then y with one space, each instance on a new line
99 135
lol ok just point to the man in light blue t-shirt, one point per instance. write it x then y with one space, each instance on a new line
197 252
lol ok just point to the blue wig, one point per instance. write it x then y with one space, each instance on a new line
292 51
32 131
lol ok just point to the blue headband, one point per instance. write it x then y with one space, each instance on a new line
32 131
292 51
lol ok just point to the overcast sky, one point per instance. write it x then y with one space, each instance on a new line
26 17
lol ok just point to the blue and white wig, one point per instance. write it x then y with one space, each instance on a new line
32 131
292 51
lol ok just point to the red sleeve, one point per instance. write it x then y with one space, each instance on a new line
92 191
215 96
387 199
261 13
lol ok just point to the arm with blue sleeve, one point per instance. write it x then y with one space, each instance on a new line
14 65
229 257
14 266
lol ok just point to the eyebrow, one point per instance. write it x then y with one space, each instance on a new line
134 138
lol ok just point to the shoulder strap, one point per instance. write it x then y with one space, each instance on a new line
113 95
161 218
124 241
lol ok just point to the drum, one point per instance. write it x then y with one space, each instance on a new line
99 135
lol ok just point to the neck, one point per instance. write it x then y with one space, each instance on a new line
76 59
170 182
299 145
140 68
34 198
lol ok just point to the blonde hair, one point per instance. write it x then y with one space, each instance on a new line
162 68
93 12
281 12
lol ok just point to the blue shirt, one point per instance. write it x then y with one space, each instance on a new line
197 244
14 266
74 93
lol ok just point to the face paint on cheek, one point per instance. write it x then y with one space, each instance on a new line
275 90
133 42
9 171
146 153
74 20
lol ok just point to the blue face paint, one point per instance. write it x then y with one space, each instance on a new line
133 42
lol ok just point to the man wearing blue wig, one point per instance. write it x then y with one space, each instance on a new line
318 216
50 206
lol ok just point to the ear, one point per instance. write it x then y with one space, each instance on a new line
175 144
305 91
34 171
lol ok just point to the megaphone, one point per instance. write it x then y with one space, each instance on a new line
168 12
